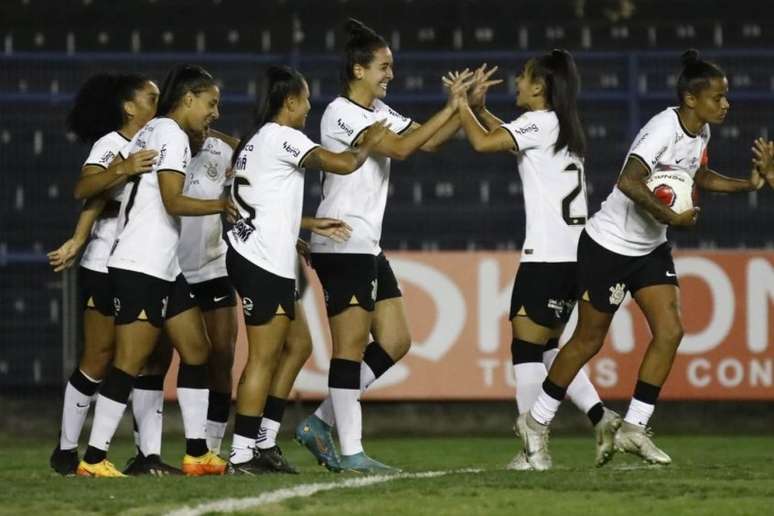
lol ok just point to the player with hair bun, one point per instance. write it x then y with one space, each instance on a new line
624 248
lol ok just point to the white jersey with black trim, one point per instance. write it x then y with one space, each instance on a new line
103 232
358 198
663 144
554 186
147 235
202 250
268 190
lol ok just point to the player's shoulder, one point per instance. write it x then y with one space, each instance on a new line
344 107
106 148
666 119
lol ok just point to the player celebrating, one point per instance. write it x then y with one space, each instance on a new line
624 248
145 275
362 293
109 109
550 147
269 190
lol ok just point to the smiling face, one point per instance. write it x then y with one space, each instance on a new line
201 109
377 75
710 103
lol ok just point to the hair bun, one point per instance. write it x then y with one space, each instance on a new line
690 57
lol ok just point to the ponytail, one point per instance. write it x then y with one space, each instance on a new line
359 49
696 74
560 76
180 80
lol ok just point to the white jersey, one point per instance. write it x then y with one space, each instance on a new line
662 145
202 250
103 233
269 192
359 198
147 235
554 189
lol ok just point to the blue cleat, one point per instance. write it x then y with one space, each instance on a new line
314 434
362 463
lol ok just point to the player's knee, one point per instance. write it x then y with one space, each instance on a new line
587 347
669 334
397 346
300 348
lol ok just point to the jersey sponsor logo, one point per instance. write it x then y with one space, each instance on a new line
242 230
107 158
532 128
247 306
396 114
678 137
638 142
658 155
162 155
344 127
186 157
617 293
293 151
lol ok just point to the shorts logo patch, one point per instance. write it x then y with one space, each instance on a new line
617 294
219 299
247 306
116 305
354 300
90 302
558 306
671 274
143 316
374 285
164 302
280 310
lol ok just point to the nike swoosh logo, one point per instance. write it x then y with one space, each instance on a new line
671 274
679 160
159 412
219 299
81 406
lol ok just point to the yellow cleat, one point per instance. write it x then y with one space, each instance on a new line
102 469
207 464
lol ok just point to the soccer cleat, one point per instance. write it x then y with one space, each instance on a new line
635 439
102 469
64 462
605 431
519 463
534 436
362 463
150 465
315 435
207 464
273 461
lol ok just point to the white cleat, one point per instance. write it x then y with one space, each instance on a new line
636 440
534 436
519 463
605 432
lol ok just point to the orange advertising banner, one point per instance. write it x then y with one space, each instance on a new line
457 304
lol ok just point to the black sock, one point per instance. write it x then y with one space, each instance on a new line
94 455
595 413
218 409
377 359
553 390
274 408
646 392
523 352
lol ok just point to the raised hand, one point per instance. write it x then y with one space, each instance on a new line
64 257
481 83
458 84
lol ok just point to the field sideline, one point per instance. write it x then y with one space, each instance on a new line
710 475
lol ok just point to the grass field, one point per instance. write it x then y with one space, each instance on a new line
710 475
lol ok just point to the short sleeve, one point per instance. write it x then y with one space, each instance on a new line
651 143
102 154
396 122
173 148
295 146
226 155
526 132
345 122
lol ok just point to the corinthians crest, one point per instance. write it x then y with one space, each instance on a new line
211 170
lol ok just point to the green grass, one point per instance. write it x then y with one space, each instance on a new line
710 475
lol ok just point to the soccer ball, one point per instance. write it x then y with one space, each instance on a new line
674 189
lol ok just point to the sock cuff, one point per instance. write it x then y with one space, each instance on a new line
193 376
150 382
247 426
117 386
219 404
646 392
523 352
595 413
344 374
377 359
551 344
553 390
83 383
274 408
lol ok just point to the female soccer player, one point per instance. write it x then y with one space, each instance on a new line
268 190
550 147
145 274
108 110
624 248
362 293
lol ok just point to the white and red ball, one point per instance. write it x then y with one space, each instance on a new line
674 189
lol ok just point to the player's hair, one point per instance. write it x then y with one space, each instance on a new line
696 74
359 49
560 76
180 80
279 83
99 104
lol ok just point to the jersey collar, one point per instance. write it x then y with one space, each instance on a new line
361 106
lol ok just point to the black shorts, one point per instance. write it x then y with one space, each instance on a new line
95 290
604 277
354 280
263 294
181 298
213 294
139 297
545 292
